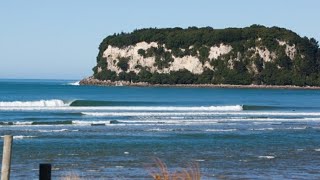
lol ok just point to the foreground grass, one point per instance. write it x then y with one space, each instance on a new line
162 173
71 176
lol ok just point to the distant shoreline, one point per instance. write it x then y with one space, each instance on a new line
95 82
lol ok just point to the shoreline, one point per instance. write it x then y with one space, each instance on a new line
95 82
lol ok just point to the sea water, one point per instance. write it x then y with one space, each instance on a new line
117 132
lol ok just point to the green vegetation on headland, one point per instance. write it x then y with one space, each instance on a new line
243 65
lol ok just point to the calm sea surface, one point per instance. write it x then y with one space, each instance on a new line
116 132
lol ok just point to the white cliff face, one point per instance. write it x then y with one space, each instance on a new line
217 51
265 54
112 55
191 63
290 50
268 56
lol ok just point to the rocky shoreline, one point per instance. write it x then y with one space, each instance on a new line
90 81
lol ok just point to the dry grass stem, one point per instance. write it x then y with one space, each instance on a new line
162 173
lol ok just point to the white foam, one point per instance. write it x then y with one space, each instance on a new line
40 103
21 137
176 117
56 130
93 170
143 113
266 157
297 128
159 130
213 113
60 105
89 123
77 83
23 123
262 129
170 108
318 150
220 130
73 154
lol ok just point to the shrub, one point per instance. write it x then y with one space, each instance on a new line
123 63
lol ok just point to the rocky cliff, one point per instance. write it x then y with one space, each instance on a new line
252 55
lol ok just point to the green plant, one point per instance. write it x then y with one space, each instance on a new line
123 63
242 65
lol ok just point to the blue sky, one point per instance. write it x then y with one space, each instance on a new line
59 39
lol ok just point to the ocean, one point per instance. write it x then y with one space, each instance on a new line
117 132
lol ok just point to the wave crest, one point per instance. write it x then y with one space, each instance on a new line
77 83
40 103
173 108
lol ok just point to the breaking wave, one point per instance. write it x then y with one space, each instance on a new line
266 157
21 137
175 108
40 103
77 83
57 104
201 113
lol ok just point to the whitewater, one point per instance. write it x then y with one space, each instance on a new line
40 103
56 104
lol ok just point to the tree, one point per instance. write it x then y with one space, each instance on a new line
284 62
242 65
123 63
142 52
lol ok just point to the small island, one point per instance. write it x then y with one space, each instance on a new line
253 57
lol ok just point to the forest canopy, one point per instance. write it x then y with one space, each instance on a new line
303 70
